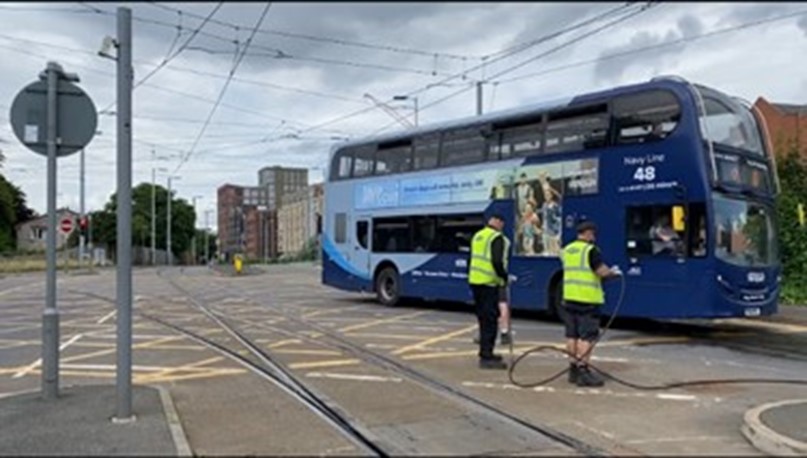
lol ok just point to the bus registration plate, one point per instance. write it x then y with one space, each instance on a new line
752 311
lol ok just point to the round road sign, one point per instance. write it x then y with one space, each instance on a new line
76 122
66 225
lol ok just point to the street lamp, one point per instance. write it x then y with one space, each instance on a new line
207 232
170 253
193 239
413 99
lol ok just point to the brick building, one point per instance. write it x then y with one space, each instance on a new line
786 125
248 215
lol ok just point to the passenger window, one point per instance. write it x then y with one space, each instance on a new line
363 162
577 129
650 232
393 158
391 235
522 141
645 117
427 150
362 231
466 146
340 228
343 166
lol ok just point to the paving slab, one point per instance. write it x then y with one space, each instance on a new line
80 422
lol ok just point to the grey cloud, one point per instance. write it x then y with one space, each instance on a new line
612 69
803 24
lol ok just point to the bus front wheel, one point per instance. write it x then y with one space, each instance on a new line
388 287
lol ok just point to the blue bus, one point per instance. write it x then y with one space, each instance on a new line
680 179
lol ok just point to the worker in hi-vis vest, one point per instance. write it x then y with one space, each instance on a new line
488 278
583 297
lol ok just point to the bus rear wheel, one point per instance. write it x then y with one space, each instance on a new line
388 287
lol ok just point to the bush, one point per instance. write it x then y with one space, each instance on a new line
792 236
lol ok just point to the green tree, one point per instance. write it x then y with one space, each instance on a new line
13 210
183 220
792 236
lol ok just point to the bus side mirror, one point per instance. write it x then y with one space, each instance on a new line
678 218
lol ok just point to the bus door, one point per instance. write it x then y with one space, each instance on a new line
360 240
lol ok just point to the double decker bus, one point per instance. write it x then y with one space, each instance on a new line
680 179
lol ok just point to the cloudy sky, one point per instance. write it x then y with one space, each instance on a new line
300 85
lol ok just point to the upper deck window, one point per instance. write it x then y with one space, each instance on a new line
393 157
427 151
363 161
342 165
577 129
463 146
645 117
730 124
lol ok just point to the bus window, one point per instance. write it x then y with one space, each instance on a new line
363 162
393 158
362 231
344 166
522 141
697 230
495 150
454 232
340 228
391 235
644 117
466 146
423 234
427 149
729 123
650 232
577 129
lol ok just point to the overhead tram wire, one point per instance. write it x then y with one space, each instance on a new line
224 88
572 41
679 41
279 53
176 53
523 48
336 41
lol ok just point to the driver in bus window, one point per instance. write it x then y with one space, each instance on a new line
664 238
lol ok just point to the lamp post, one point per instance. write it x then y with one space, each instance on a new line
414 100
169 253
207 232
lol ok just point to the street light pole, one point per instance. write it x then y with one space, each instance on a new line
81 210
169 253
207 232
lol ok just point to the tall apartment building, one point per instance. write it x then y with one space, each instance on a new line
300 219
247 215
786 125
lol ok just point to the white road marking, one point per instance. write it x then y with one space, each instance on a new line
356 377
38 362
589 392
106 317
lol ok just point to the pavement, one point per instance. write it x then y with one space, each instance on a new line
83 424
778 428
225 409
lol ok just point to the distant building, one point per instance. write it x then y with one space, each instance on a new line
300 219
32 234
247 215
786 125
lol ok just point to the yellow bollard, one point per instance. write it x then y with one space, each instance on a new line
238 264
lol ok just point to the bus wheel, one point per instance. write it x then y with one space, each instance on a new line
388 287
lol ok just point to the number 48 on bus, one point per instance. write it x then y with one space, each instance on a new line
645 173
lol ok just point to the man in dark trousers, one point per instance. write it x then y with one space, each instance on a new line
583 296
487 276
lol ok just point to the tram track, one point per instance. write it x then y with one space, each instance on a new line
386 363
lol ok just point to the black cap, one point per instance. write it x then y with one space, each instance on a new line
497 216
586 226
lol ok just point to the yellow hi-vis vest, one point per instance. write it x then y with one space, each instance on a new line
481 271
580 283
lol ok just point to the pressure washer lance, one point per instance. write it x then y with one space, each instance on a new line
615 269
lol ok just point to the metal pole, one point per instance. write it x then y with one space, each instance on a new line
153 216
478 98
124 235
416 111
81 210
168 227
50 317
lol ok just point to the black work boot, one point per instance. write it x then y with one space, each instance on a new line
492 363
587 378
574 373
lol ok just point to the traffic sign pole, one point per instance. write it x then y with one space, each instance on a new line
50 317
